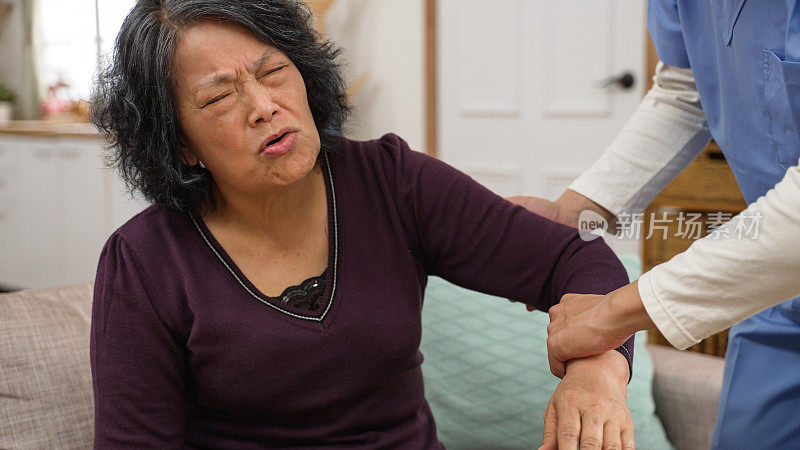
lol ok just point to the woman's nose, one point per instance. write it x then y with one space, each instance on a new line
261 104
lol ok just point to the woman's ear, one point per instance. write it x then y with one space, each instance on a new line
188 156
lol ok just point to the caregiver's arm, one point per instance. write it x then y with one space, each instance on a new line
665 133
720 280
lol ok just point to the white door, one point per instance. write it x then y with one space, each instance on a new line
522 106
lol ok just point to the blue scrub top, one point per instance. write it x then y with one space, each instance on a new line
745 56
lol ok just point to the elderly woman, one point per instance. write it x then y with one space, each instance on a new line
271 297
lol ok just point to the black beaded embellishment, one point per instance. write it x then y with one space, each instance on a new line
308 295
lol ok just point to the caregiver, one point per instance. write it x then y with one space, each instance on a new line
730 69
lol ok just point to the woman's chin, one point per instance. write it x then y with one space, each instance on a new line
291 172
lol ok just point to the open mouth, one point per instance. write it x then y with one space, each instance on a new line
280 145
276 140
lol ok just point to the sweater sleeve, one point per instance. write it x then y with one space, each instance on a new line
137 363
468 235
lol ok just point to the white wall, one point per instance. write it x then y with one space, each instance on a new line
383 38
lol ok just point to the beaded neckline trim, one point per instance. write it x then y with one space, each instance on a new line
307 295
263 300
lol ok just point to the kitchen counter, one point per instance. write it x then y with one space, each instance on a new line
50 129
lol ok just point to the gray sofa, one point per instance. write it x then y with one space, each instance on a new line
46 387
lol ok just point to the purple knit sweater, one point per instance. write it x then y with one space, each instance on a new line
186 352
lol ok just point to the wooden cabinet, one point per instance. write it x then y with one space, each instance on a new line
704 195
58 205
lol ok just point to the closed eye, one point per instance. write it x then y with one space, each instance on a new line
216 99
271 71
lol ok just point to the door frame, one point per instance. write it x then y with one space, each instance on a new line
430 78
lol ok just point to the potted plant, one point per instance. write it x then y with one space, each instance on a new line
7 97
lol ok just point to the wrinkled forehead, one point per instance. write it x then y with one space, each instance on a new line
214 50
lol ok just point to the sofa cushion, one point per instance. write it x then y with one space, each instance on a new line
45 376
487 378
686 389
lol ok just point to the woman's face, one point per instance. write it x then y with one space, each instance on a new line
243 110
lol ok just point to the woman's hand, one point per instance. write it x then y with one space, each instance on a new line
585 325
588 408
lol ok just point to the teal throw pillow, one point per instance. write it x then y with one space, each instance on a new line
487 378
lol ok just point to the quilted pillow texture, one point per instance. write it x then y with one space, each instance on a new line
486 374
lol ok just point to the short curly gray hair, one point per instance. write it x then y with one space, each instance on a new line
133 101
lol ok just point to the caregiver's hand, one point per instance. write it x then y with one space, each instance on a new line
566 210
540 206
588 408
585 325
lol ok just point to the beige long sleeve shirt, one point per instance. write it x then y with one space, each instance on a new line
726 276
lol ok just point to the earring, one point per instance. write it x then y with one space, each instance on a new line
200 163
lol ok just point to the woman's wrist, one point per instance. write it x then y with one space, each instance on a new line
611 364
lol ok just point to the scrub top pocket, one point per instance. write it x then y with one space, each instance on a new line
782 97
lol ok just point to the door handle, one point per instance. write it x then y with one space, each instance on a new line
625 80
